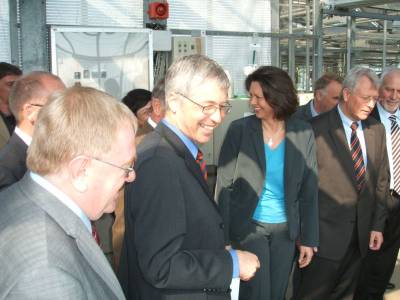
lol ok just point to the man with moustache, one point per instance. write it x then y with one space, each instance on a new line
326 96
353 184
379 265
174 244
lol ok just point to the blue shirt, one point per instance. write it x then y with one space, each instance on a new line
194 150
314 113
271 205
360 133
64 199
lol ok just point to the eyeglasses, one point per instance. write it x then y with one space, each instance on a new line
210 109
127 170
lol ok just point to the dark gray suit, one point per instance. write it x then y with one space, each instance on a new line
174 243
12 161
46 252
304 111
241 175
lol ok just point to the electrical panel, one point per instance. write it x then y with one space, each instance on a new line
187 45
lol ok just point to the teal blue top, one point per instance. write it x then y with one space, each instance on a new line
271 205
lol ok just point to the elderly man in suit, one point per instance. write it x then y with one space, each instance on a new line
174 239
353 186
156 114
326 96
28 95
379 265
8 74
81 155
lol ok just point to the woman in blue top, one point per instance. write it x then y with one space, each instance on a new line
267 184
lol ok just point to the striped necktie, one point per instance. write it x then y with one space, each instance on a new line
395 132
357 156
202 164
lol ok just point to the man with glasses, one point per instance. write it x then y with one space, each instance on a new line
174 239
379 265
353 183
28 95
81 155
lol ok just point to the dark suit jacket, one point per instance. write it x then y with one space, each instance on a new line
340 205
304 111
174 244
241 174
46 252
12 161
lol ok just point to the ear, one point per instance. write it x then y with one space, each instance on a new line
78 174
346 94
317 96
29 113
173 102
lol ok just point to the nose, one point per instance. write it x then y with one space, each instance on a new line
252 101
396 95
217 116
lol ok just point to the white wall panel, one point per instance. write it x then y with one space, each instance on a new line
4 31
126 13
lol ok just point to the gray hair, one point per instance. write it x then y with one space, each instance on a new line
189 72
389 71
159 91
29 87
353 77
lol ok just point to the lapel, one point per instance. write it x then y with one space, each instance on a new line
73 227
338 137
181 150
369 137
258 141
375 113
291 155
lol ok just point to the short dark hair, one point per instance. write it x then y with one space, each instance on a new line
9 69
159 90
136 99
278 90
322 82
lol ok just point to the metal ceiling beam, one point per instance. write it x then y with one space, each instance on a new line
356 3
360 14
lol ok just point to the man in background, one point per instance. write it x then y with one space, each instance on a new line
326 96
156 115
28 95
8 74
353 173
378 266
82 153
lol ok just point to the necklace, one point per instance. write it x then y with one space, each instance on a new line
272 137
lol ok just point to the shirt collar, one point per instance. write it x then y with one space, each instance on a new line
346 120
25 137
314 113
384 113
151 122
64 199
188 142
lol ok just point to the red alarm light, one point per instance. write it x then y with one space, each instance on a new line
158 10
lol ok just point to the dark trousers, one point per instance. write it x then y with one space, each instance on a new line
275 251
326 279
378 266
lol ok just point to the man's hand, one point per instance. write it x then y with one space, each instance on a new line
305 256
375 240
248 264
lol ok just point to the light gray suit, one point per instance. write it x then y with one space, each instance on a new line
46 252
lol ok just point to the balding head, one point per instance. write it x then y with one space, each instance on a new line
29 94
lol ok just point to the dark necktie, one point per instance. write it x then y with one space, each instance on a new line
395 134
202 164
95 234
356 155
